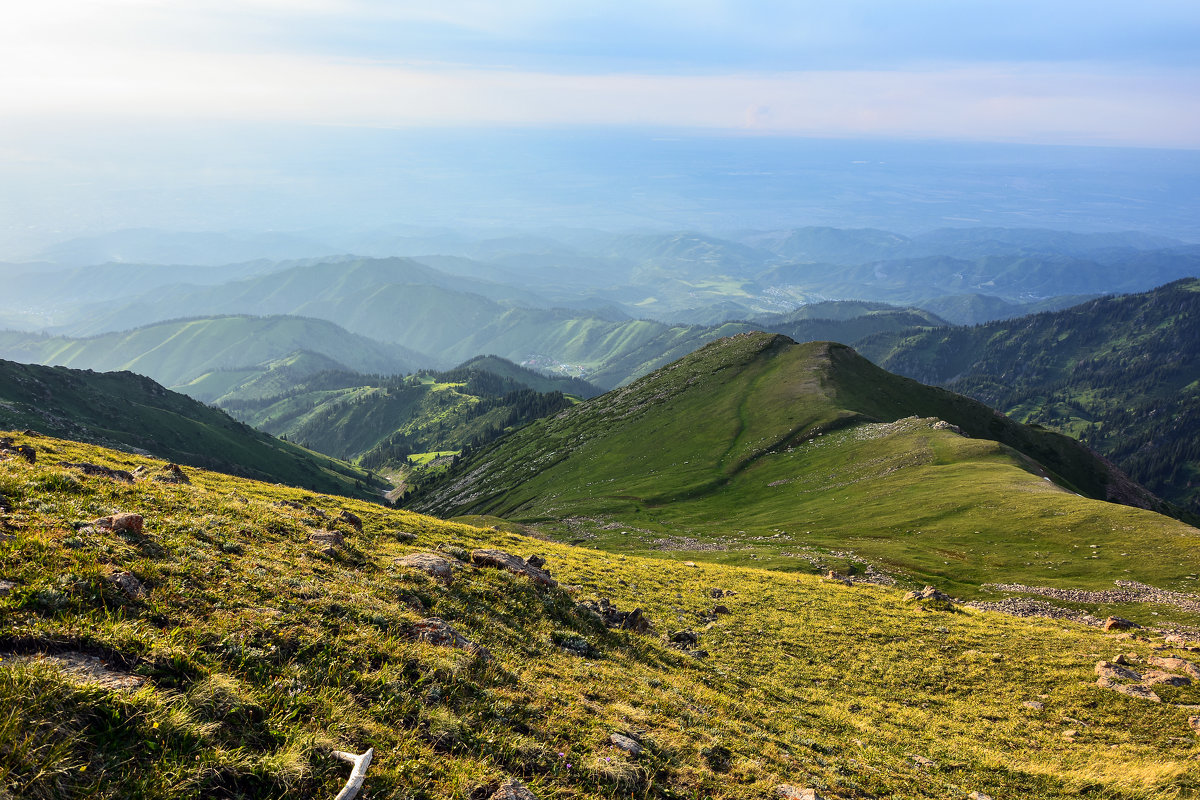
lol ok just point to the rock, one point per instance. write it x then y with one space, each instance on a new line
513 789
133 523
95 469
577 645
1033 705
537 562
689 563
171 473
26 452
1138 691
438 633
1070 735
1107 669
1119 624
6 587
622 742
129 584
785 791
1126 659
430 563
922 761
1194 724
404 536
979 796
685 640
613 618
330 538
719 609
353 520
5 505
1157 677
1175 665
515 564
928 593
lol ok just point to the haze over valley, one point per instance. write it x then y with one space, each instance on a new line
599 401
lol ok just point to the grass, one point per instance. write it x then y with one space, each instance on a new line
261 654
757 451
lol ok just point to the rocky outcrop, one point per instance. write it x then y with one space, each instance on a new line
612 617
929 593
431 564
513 789
117 523
438 633
96 470
514 564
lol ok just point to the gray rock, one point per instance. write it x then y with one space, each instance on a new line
1156 677
1107 669
514 564
438 633
622 742
1033 705
331 538
430 563
6 587
928 593
785 791
513 789
1138 691
129 584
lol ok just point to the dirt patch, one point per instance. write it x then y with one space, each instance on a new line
81 667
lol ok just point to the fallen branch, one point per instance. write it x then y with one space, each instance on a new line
357 775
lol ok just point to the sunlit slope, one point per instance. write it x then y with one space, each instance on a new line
120 409
756 448
248 652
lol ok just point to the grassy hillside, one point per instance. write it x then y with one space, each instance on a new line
1122 374
221 651
758 450
119 409
178 352
379 421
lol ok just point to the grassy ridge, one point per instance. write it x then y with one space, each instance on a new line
1122 374
258 654
761 451
123 410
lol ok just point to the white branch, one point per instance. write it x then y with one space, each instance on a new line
357 775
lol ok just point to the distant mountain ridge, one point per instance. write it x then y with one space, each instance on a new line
1121 373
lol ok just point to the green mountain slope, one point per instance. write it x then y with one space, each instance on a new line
380 420
178 352
219 650
755 447
1122 374
120 409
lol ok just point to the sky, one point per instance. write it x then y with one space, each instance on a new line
82 76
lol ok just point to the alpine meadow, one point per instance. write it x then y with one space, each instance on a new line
599 401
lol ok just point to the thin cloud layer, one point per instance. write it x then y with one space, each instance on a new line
1085 73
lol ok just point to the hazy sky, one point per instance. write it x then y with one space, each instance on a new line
117 113
1071 71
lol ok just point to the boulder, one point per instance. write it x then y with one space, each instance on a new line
613 618
1119 624
626 743
785 791
1175 665
685 640
515 564
1194 724
438 633
719 609
133 523
26 452
171 473
1156 677
513 789
429 563
353 520
1138 691
1127 659
1033 705
928 593
129 584
95 469
537 562
1107 669
327 537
